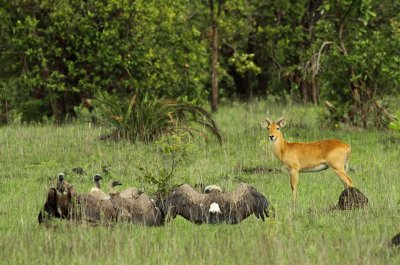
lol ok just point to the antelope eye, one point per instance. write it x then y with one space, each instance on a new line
278 128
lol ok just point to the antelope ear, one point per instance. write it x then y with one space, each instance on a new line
266 123
281 122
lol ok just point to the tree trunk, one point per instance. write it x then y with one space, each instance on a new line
57 107
314 90
214 56
262 85
310 88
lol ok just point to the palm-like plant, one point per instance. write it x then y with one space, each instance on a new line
146 118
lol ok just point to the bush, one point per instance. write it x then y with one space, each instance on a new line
171 150
146 118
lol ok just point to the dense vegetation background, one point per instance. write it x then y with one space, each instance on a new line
57 56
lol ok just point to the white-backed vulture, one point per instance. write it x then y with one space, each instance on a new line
215 206
96 191
58 200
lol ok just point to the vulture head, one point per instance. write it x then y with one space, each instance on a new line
215 206
212 188
112 184
96 180
60 182
96 191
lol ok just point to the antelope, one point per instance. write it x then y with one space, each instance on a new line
308 156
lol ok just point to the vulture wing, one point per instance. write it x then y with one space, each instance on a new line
50 206
147 213
130 193
188 203
94 209
238 204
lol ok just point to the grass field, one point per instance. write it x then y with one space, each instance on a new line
31 156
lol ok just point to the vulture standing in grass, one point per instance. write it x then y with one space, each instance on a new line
215 206
96 191
58 200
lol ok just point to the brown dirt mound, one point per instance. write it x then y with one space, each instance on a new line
351 198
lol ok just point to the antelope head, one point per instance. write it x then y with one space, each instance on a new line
274 132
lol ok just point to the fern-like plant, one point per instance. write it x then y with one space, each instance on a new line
146 118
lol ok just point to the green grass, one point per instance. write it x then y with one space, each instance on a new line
31 157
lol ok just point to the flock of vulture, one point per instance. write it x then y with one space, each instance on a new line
132 205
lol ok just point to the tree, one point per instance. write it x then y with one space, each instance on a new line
360 68
60 52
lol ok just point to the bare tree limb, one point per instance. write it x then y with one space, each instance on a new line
390 116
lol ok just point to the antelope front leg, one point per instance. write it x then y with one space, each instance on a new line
294 179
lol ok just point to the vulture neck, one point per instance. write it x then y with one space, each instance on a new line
97 184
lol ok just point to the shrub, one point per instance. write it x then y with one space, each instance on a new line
171 150
146 118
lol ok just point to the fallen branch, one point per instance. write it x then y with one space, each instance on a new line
389 115
330 107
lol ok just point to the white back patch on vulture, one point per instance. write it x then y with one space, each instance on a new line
214 208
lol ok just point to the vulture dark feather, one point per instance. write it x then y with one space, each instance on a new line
215 207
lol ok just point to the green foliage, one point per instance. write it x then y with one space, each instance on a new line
359 70
61 52
244 63
146 118
395 125
162 178
56 54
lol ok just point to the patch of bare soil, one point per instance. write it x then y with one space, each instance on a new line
260 170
